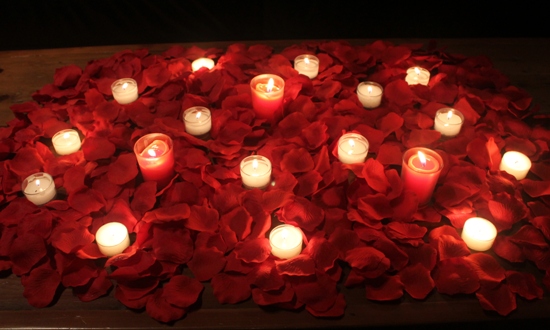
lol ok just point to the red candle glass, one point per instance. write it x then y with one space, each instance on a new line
420 171
155 156
267 95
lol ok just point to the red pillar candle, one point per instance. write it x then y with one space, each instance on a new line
420 171
267 95
155 156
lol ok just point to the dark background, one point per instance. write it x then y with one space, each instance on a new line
27 24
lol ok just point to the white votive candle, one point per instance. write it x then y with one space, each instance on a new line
39 188
417 75
66 142
285 241
448 121
369 94
112 238
197 121
516 164
479 234
125 90
202 62
352 148
256 171
307 65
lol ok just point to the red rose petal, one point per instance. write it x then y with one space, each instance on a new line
161 310
300 265
319 293
182 291
253 250
454 276
302 213
25 252
297 161
376 207
524 284
168 213
369 261
500 299
98 287
40 286
536 188
322 252
206 263
86 200
265 298
231 288
385 288
239 220
123 169
529 236
488 269
336 310
172 244
374 174
507 250
451 247
96 148
417 281
144 197
202 218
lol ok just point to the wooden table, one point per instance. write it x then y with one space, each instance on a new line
524 61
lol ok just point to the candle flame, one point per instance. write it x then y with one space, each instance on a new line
152 153
198 115
422 158
66 135
449 115
417 71
125 85
255 164
37 183
306 60
369 89
351 145
270 85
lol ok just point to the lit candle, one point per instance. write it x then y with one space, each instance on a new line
125 90
155 156
256 171
370 94
417 75
307 65
39 188
516 164
285 241
66 142
202 62
352 148
112 238
420 171
479 234
448 121
267 95
197 121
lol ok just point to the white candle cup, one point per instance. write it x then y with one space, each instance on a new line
125 90
370 94
448 121
515 163
479 234
417 75
39 188
66 142
256 172
112 238
202 62
285 241
197 121
307 65
352 148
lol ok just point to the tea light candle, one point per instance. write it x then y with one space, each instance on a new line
125 90
417 75
516 164
256 171
66 142
479 234
420 171
202 62
267 95
285 241
307 65
369 94
39 188
197 121
155 156
112 238
448 121
352 148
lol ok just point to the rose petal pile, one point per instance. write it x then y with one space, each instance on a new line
361 228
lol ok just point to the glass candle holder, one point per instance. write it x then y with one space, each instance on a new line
155 156
352 148
197 121
112 238
420 171
267 95
515 163
307 65
417 75
39 188
202 62
448 121
285 241
255 172
125 90
66 142
370 94
479 234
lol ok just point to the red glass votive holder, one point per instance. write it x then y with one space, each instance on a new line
420 171
155 156
267 97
